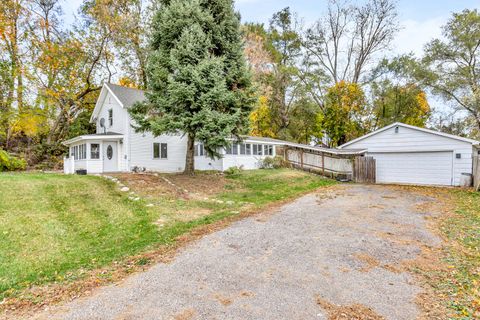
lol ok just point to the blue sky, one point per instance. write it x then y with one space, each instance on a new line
421 20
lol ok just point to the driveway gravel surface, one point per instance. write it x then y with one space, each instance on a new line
338 247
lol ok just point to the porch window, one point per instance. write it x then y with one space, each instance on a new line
160 151
268 150
233 149
110 117
94 151
80 152
245 149
257 149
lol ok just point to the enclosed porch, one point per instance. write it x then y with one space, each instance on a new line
95 153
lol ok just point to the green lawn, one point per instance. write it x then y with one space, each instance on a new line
54 227
462 282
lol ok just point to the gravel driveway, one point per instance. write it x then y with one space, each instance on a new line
326 252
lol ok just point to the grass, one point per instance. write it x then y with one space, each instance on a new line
462 283
55 228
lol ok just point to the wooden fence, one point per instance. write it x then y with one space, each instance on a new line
319 162
476 173
358 169
364 170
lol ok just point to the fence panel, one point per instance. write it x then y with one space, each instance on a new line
364 170
320 162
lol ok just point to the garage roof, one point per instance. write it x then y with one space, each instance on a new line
400 124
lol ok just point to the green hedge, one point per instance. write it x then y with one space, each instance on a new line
11 163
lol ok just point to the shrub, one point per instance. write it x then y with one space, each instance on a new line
274 163
11 163
233 171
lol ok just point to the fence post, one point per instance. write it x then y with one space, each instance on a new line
301 158
476 173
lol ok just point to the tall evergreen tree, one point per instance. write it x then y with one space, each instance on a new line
199 83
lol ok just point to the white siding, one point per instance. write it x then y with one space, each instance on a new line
409 140
141 152
205 163
247 162
119 116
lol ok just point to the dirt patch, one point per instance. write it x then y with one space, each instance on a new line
192 214
350 312
198 186
368 261
223 300
185 314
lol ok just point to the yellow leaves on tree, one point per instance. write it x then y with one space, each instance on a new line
343 115
261 121
405 103
127 82
29 123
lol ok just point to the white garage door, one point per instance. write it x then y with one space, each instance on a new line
425 168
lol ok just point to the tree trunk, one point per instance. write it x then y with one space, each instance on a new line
190 160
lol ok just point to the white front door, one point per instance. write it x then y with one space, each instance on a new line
110 157
423 168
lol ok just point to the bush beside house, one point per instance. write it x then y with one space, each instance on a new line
9 162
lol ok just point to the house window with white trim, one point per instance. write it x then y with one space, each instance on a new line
94 151
160 150
199 150
110 117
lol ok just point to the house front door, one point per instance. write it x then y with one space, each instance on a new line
110 157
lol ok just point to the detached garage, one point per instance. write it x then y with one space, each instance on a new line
407 154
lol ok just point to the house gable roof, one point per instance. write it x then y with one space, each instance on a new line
126 97
400 124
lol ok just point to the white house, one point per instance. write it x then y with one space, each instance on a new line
116 147
407 154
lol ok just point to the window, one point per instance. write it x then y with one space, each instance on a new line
163 153
199 150
245 149
110 117
160 151
242 148
109 152
268 150
257 149
80 152
156 151
233 149
94 151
